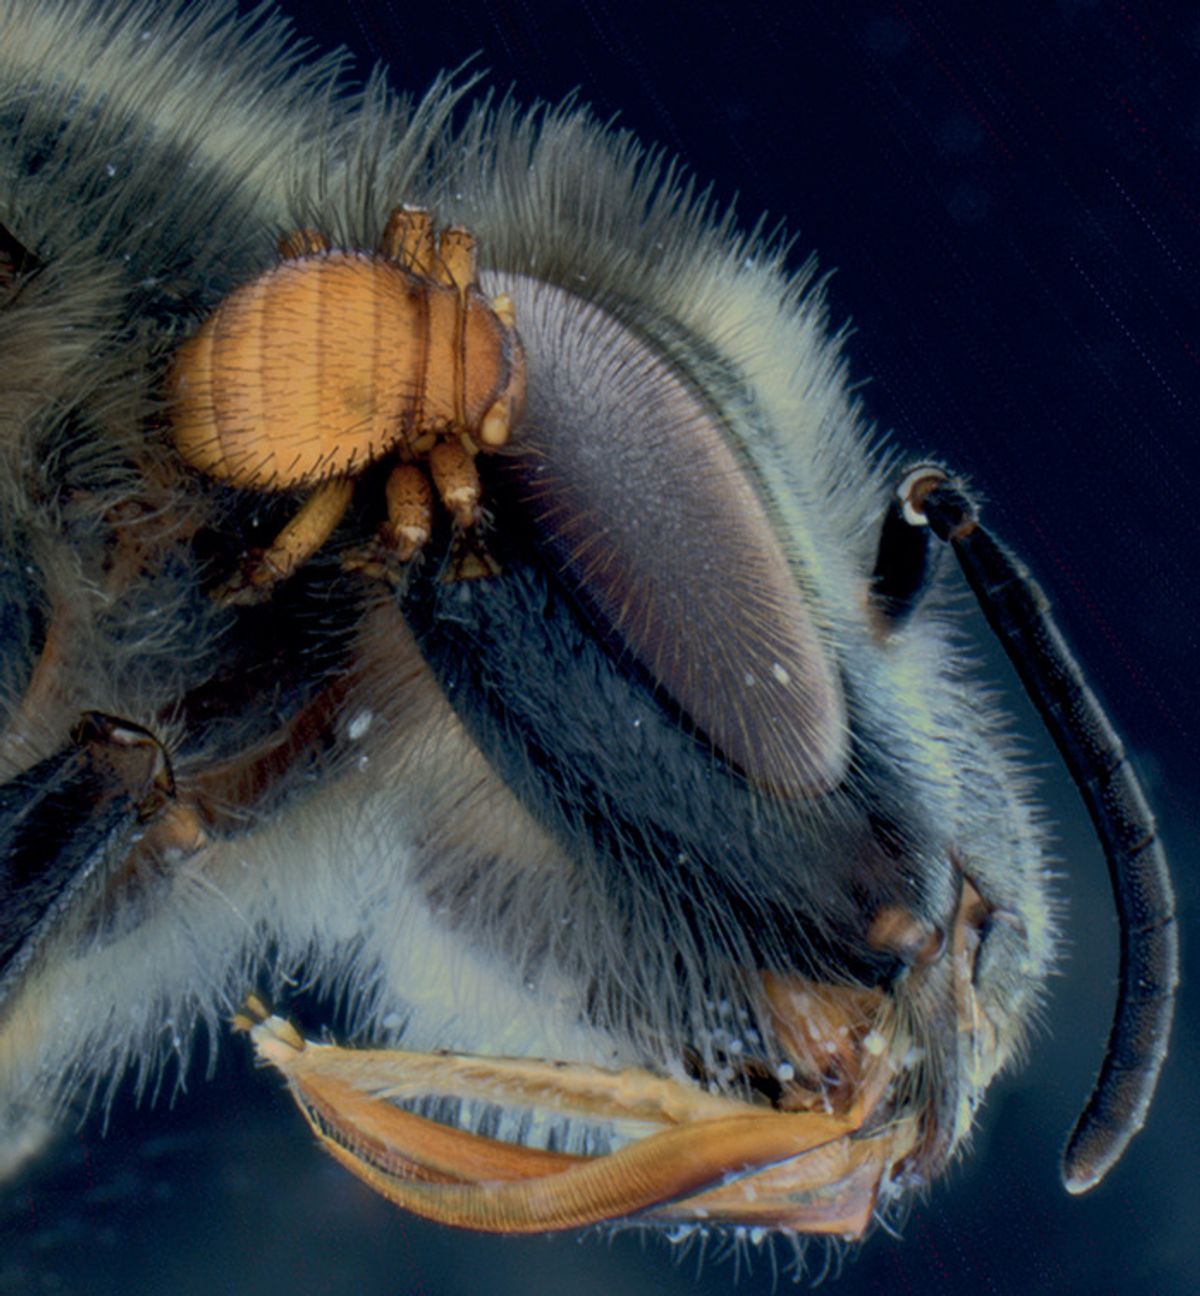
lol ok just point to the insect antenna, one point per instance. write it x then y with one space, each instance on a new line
1018 612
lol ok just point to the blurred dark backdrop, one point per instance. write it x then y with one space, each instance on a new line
1010 195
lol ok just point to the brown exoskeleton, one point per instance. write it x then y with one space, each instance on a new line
318 367
677 875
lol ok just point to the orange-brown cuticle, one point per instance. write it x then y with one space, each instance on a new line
327 361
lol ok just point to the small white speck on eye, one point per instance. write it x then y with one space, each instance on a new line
785 1072
874 1043
363 761
110 170
637 722
748 679
391 1022
780 673
359 724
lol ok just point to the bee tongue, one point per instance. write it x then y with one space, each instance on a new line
699 1158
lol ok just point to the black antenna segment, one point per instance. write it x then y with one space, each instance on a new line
1018 612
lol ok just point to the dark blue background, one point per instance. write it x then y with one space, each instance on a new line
1010 195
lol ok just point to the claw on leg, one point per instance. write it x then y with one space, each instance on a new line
409 510
457 481
315 522
404 533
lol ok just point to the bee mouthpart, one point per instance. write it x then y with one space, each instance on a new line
680 1155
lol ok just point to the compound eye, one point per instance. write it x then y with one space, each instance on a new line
656 524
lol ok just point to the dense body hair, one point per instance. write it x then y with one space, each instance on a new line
506 840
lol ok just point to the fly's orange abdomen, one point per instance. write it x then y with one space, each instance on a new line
327 361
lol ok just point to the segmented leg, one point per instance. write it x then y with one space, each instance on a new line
320 513
408 239
301 243
406 531
457 481
410 510
68 823
457 252
293 546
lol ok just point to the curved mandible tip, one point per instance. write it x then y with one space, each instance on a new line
1019 615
